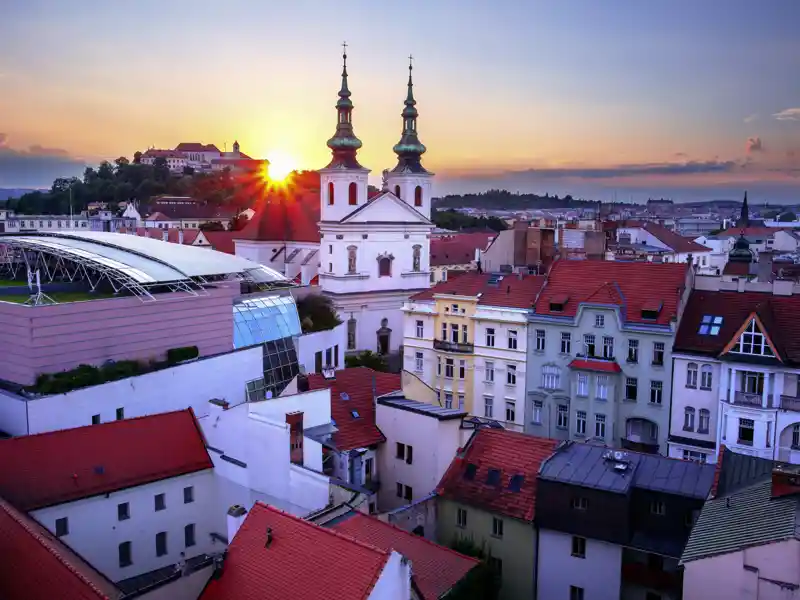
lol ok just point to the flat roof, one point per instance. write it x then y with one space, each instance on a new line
431 410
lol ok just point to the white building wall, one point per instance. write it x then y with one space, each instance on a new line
333 341
95 531
684 397
394 582
599 574
369 311
406 184
341 180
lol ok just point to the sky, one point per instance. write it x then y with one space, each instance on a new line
626 99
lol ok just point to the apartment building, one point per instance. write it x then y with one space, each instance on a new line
736 367
466 338
599 352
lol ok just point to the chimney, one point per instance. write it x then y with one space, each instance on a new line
165 235
236 515
764 267
785 481
180 236
268 541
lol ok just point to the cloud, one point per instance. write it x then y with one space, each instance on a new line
3 138
789 114
681 155
754 144
751 118
37 166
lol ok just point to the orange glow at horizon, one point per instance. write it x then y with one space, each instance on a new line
281 165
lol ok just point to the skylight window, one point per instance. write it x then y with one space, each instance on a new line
344 396
355 414
493 477
710 325
515 484
469 473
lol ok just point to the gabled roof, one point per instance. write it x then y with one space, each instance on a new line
458 249
221 241
677 242
290 216
62 466
511 291
436 569
302 562
37 566
776 314
633 286
513 454
357 384
196 147
377 208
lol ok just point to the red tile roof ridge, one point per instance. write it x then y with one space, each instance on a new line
717 472
9 510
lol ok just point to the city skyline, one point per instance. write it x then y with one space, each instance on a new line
667 99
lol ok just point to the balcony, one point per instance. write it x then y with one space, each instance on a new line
457 347
753 399
642 575
790 403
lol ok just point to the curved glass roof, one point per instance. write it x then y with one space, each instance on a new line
264 319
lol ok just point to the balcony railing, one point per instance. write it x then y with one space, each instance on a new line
790 403
459 347
751 399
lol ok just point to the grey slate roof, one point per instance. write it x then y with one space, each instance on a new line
398 400
748 517
585 465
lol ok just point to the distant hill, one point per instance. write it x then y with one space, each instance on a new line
505 200
6 193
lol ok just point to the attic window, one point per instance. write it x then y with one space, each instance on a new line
710 325
469 473
355 414
650 310
516 482
344 396
493 477
557 303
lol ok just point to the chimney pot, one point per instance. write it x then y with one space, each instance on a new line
236 515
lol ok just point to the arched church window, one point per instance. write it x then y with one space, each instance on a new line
397 191
351 260
418 196
353 194
330 194
416 257
384 267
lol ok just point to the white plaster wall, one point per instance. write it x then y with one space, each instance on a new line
190 385
599 574
408 183
394 582
13 414
310 343
95 531
341 182
683 397
369 313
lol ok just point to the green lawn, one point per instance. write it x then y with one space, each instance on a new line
12 283
59 297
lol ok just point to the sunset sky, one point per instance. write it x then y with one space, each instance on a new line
690 99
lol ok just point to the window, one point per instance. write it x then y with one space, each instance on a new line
540 340
536 415
351 334
490 337
62 527
385 267
656 392
488 407
461 518
123 511
706 377
496 565
752 341
120 414
512 339
688 419
705 419
583 385
511 411
462 369
351 260
420 329
575 592
489 373
125 558
746 428
511 374
399 490
448 400
444 332
95 419
418 196
580 422
551 377
600 426
633 351
599 321
161 502
588 343
580 503
461 402
439 365
161 543
601 391
188 535
400 451
657 508
562 420
578 547
691 375
608 346
397 191
710 325
695 456
352 194
448 368
416 257
454 333
566 342
330 194
464 336
658 353
631 388
796 436
497 527
409 455
418 362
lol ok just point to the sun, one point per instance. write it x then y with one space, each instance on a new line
280 165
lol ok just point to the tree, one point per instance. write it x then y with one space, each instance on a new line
137 158
121 163
368 359
212 226
105 171
238 222
482 582
317 313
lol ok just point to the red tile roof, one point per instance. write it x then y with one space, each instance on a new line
153 153
357 383
601 366
458 249
285 216
632 285
62 466
677 242
778 314
510 452
752 231
37 566
737 269
222 241
303 562
436 569
511 291
196 147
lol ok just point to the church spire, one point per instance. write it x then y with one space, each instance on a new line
409 149
744 217
344 144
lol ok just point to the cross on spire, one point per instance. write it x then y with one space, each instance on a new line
410 62
344 49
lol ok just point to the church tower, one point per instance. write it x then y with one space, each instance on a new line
744 216
409 180
343 182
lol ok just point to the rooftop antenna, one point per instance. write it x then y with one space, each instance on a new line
71 220
37 298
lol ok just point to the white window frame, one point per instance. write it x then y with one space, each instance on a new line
536 412
706 377
599 321
488 376
600 426
511 374
551 377
541 340
580 422
512 339
566 342
490 337
582 385
601 384
420 329
657 392
419 362
562 416
488 407
691 375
